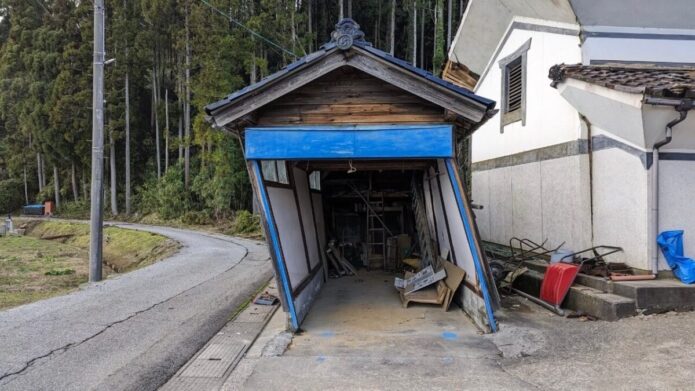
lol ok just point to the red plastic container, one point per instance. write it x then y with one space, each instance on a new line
557 281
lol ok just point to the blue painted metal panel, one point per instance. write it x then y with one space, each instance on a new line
275 244
456 185
350 142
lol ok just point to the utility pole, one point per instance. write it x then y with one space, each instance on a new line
97 199
448 27
414 33
393 28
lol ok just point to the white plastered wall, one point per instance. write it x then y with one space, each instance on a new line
541 200
549 118
676 202
638 44
621 205
621 185
676 177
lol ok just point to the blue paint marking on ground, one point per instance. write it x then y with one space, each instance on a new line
447 360
449 336
327 334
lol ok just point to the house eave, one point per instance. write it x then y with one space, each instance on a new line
626 116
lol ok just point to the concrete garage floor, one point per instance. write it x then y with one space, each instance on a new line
358 337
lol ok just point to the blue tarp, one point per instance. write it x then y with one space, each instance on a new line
671 244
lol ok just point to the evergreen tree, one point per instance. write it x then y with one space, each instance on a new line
172 58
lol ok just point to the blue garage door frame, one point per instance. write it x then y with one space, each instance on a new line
359 142
350 142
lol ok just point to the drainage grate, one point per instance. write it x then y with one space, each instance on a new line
255 314
214 360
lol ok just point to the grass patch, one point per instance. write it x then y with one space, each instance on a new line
244 224
53 258
60 272
33 269
124 249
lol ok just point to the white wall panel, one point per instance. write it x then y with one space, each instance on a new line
442 229
620 205
301 182
677 209
462 248
290 231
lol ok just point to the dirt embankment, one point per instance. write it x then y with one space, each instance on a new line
124 249
52 258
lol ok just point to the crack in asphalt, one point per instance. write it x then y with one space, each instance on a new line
71 345
515 376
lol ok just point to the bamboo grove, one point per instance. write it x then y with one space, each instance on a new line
172 57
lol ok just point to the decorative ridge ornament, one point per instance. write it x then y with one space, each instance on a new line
347 32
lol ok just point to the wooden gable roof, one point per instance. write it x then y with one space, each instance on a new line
348 49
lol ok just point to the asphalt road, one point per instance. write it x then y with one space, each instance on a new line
135 330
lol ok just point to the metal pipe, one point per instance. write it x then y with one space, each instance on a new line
682 109
540 302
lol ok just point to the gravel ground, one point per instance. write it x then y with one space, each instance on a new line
135 330
655 352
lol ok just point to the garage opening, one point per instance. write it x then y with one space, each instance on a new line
371 213
382 209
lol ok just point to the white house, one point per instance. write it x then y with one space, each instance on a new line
573 162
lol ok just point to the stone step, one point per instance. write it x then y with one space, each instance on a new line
655 296
581 298
650 296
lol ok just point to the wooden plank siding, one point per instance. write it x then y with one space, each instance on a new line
349 96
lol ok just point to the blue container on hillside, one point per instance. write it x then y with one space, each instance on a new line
33 210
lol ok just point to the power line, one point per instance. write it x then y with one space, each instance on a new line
255 34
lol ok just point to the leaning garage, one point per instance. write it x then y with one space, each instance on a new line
353 151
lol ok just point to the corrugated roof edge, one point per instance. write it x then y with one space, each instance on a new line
329 48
